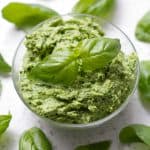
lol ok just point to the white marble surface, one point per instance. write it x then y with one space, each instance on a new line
127 13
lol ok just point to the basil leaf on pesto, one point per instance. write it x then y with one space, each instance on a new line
103 145
25 16
34 139
99 52
60 67
135 133
63 65
142 31
101 8
4 122
144 81
4 67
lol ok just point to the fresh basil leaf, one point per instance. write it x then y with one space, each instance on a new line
62 66
101 8
99 52
142 31
25 16
103 145
34 139
135 133
4 67
4 122
144 81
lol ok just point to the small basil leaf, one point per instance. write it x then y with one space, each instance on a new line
101 8
34 139
100 52
4 122
142 31
25 16
144 81
60 67
103 145
135 133
4 67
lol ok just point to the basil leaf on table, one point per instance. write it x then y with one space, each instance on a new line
62 66
101 8
135 133
25 16
4 122
142 31
103 145
34 139
144 81
4 67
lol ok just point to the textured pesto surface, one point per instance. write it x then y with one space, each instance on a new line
94 95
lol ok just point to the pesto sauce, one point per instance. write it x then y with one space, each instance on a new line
94 95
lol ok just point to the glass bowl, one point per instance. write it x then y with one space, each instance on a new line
111 31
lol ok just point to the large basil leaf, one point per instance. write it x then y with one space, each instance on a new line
26 16
4 122
135 133
98 52
102 8
144 81
103 145
34 139
62 66
143 28
4 67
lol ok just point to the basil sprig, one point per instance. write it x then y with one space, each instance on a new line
34 139
135 133
4 122
25 16
63 65
144 81
142 31
101 8
103 145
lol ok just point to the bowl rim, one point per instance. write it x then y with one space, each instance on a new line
86 125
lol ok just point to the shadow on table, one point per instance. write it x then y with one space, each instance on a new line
7 140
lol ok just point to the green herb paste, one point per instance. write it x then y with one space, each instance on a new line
93 95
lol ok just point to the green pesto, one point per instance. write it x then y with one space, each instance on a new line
93 95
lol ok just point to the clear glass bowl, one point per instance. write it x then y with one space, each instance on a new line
111 31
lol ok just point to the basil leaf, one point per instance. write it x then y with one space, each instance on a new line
144 81
62 66
99 52
4 67
101 8
103 145
25 16
4 122
142 31
135 133
34 139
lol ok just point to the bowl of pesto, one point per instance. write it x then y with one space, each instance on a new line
75 70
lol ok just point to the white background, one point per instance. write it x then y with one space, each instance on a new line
127 13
